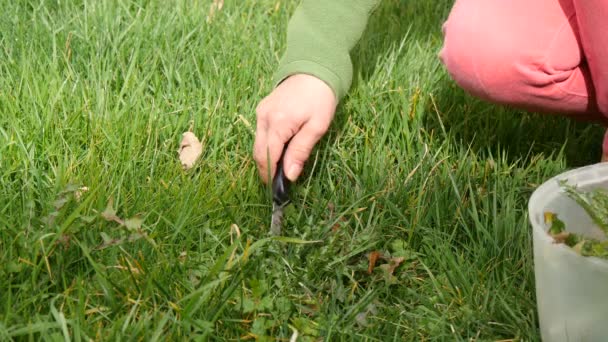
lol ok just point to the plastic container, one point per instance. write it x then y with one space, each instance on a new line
571 290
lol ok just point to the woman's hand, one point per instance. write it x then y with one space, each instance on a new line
301 108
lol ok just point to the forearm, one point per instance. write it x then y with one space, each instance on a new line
320 37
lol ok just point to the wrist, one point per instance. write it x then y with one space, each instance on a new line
302 67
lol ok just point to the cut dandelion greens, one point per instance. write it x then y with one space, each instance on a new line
595 203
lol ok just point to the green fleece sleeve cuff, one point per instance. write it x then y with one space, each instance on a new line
339 86
320 37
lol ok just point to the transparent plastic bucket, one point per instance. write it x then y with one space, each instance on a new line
571 290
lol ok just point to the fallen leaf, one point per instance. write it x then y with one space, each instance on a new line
174 306
119 241
189 150
331 207
59 203
339 224
136 236
105 237
361 317
87 219
195 277
548 216
393 263
182 256
373 257
110 213
578 248
69 189
215 7
79 192
234 229
560 237
389 268
555 224
96 310
50 219
63 240
134 223
125 268
109 243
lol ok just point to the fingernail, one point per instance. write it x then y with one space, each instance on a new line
294 172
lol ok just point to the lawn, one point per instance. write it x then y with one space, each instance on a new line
103 235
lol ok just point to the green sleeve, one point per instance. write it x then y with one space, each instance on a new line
320 37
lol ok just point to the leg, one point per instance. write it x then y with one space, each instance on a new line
521 53
592 20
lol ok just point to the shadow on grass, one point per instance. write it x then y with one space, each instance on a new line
485 128
390 23
490 129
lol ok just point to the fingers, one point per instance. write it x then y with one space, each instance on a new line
300 148
276 143
260 149
269 142
300 109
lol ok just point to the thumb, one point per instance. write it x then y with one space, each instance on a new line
299 149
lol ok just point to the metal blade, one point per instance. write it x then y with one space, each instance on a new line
276 221
280 196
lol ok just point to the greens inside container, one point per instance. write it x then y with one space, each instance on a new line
595 203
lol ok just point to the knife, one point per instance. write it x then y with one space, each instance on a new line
280 196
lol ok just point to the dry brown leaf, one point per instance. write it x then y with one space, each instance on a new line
189 150
120 241
110 213
216 6
373 257
331 207
78 193
560 237
132 269
96 310
339 224
578 248
182 256
361 317
234 229
134 223
549 217
393 263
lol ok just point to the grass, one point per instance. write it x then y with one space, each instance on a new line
98 93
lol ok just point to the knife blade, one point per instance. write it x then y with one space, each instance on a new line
280 196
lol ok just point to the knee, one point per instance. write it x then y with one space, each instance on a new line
498 70
457 52
602 102
477 64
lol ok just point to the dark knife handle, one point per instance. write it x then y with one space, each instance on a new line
280 183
